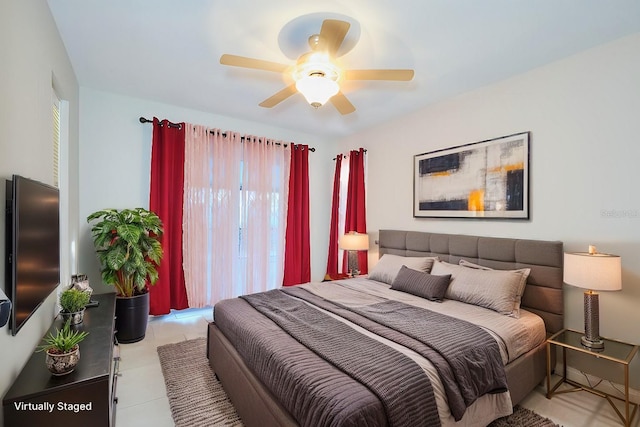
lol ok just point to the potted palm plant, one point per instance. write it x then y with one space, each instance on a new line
129 250
73 302
62 350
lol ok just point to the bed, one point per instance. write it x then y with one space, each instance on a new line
244 341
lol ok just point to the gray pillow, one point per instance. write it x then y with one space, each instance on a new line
389 265
421 284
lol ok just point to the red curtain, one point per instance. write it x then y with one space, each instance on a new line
297 252
356 215
332 258
166 200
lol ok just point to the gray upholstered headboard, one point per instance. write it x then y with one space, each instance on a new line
543 294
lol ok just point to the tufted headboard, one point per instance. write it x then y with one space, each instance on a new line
543 294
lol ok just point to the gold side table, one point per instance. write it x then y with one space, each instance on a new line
615 351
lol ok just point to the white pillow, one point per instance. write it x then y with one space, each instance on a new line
498 290
523 271
389 265
465 263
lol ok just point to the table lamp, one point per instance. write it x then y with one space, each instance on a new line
352 242
595 272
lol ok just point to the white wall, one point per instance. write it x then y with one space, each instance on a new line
33 61
584 117
115 163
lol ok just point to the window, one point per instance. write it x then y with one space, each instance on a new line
56 139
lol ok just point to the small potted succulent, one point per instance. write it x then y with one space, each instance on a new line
73 302
62 349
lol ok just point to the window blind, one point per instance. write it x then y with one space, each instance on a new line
56 141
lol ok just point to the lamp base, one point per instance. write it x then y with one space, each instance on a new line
353 263
591 338
595 345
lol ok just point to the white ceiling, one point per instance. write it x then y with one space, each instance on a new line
169 50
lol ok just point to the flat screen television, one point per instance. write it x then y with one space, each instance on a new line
32 246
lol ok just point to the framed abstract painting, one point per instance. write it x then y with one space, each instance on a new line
486 179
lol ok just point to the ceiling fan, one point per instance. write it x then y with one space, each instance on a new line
317 74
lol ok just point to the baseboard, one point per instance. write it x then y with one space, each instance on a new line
605 386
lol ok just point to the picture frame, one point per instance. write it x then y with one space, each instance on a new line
485 179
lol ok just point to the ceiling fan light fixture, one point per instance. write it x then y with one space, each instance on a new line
317 89
318 74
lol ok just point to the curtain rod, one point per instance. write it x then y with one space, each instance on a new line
346 155
177 125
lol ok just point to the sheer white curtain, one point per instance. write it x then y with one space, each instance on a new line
264 198
211 213
234 215
342 210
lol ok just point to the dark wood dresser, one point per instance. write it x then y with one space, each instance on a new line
85 397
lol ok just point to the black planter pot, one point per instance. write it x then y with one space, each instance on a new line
132 314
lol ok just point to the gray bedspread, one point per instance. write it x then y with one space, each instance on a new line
399 383
466 356
401 396
311 389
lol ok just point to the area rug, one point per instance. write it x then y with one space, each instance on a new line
197 398
523 417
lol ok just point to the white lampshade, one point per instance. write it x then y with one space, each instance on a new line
317 89
594 271
354 241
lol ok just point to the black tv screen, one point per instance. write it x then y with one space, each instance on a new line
33 246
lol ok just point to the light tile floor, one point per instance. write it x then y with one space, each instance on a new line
142 399
142 396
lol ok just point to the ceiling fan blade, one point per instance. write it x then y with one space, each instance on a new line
332 34
258 64
279 97
400 75
342 104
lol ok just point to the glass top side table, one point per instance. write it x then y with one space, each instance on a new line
614 351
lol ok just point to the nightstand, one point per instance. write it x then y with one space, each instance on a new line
341 276
615 351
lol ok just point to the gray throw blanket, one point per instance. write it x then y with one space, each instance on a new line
406 393
466 357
